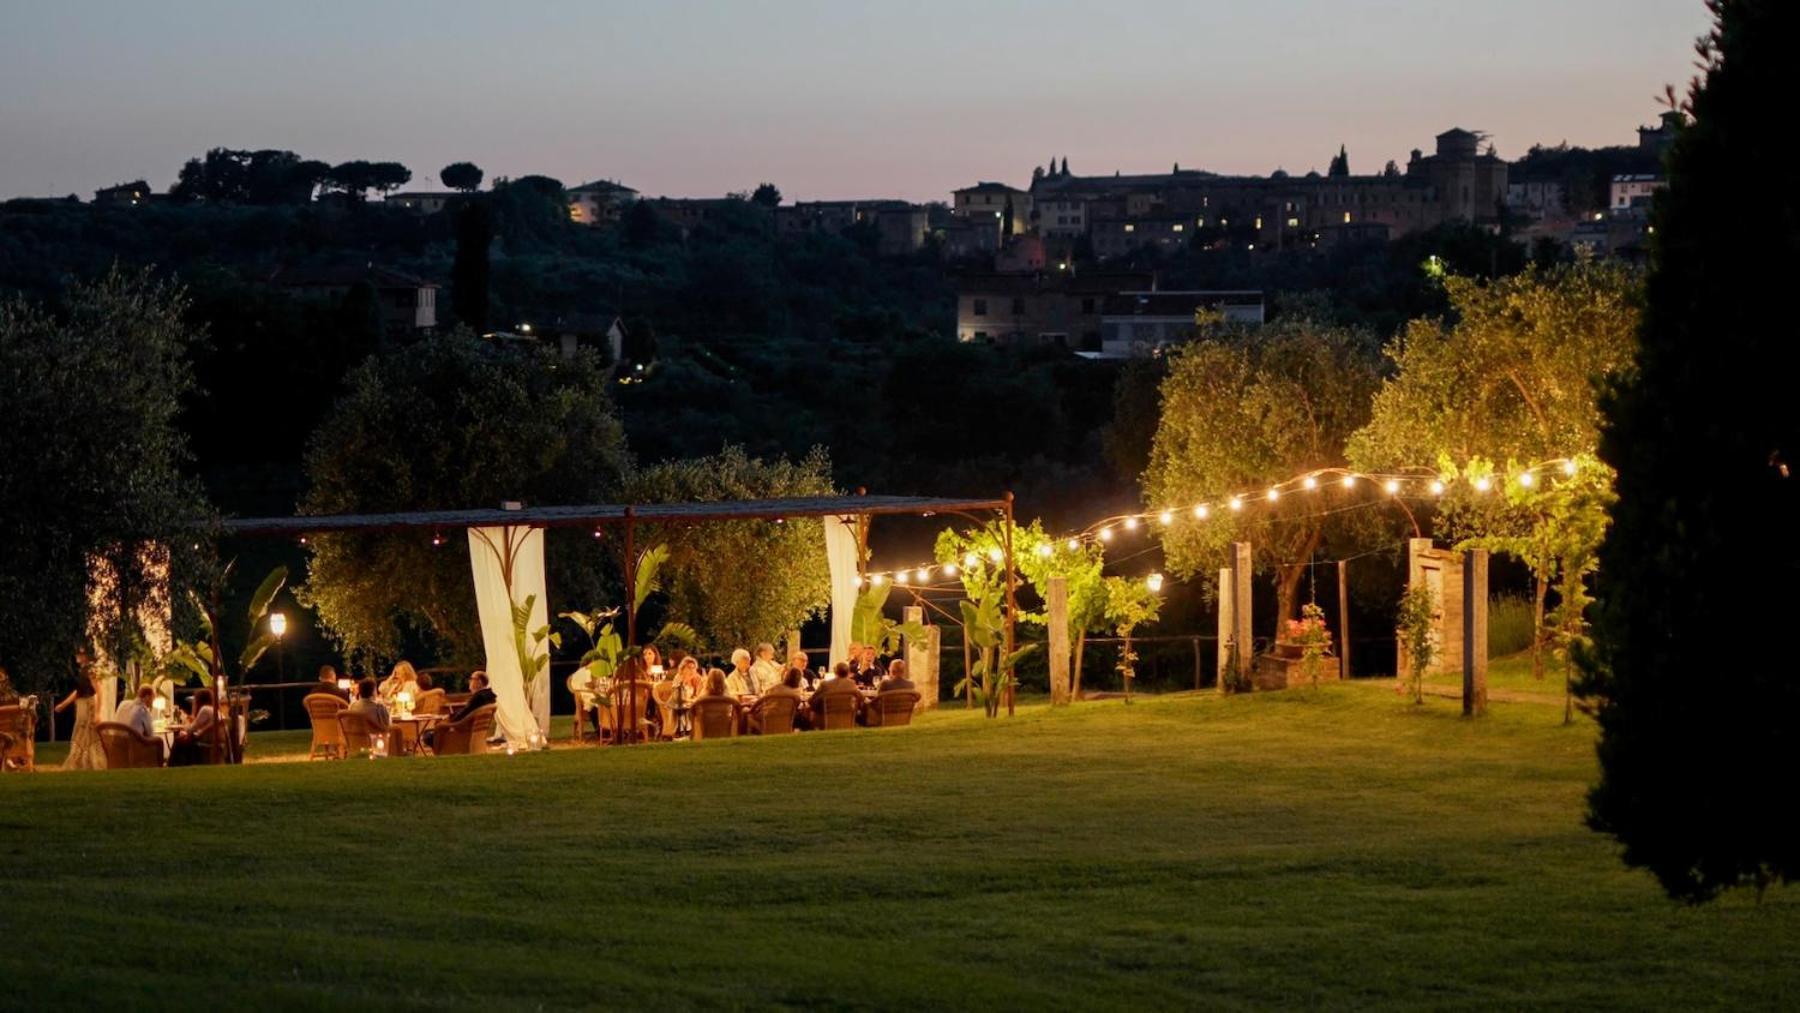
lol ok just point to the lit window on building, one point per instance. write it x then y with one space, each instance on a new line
1346 218
1177 227
1293 223
1130 227
1259 223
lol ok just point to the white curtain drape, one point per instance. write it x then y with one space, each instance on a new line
840 553
508 567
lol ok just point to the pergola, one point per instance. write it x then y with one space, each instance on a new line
856 509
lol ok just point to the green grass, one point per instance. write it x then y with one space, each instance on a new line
1511 624
1334 847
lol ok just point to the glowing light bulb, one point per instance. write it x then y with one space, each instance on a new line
1309 482
1526 479
877 580
1237 503
1044 550
1166 517
1074 544
1201 511
949 569
1437 487
1392 487
994 554
900 578
1482 484
1274 494
1131 524
1569 467
1349 481
924 574
970 560
1154 582
858 582
1106 534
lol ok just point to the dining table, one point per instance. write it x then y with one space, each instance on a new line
409 732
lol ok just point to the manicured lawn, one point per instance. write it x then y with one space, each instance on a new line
1336 848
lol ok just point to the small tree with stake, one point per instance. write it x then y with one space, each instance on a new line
205 657
1413 623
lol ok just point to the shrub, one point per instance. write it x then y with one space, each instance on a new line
1510 624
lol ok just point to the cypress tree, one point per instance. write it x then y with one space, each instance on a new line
1692 670
469 272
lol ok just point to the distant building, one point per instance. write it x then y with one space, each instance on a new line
425 202
901 230
1120 213
968 238
601 202
1632 194
124 195
1146 322
1656 140
990 200
407 304
687 213
1056 307
1537 198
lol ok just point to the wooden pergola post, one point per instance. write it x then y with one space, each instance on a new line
1012 604
621 733
1343 620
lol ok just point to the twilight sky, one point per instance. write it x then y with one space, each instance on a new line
905 98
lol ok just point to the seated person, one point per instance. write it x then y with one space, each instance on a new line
328 684
843 683
718 687
480 695
896 677
187 741
135 712
789 686
403 679
866 669
742 681
764 669
797 659
687 675
370 707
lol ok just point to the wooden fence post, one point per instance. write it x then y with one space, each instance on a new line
1056 620
1343 621
1475 629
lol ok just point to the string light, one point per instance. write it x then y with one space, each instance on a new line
1154 582
858 582
1393 484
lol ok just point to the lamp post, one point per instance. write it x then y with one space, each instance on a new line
278 630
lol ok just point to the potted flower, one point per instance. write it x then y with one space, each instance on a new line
1308 639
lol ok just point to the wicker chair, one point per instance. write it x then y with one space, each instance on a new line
580 683
774 715
715 717
356 733
838 710
126 747
18 737
893 708
469 735
431 701
667 695
322 709
626 716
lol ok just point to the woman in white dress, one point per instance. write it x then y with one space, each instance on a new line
84 743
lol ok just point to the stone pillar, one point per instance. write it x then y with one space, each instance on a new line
1056 605
1440 570
1474 632
1227 625
922 658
